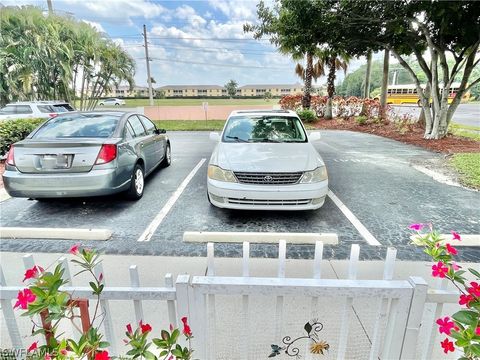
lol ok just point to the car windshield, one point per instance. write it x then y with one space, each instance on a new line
265 128
78 126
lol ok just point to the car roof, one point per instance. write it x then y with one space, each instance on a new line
51 102
264 112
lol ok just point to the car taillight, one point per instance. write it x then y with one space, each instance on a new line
107 153
52 115
10 158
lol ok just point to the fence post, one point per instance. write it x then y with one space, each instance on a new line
245 302
282 254
10 319
107 322
419 297
135 282
172 314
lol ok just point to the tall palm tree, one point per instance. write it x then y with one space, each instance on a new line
334 62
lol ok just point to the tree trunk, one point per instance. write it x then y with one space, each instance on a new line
366 89
383 95
330 88
307 97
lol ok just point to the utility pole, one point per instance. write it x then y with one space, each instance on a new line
50 7
150 91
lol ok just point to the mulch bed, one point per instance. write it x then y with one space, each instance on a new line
450 144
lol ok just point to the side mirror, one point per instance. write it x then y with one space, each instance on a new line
314 136
160 131
215 136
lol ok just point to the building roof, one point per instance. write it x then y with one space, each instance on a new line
270 86
190 87
126 87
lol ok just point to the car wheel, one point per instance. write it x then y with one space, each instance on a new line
117 104
167 160
137 183
101 104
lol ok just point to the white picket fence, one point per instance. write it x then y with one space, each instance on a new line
246 314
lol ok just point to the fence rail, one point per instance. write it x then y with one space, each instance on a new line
404 310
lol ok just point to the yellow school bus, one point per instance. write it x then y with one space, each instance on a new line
407 94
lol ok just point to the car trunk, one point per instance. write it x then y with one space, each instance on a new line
60 156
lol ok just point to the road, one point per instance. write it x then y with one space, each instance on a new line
373 176
466 114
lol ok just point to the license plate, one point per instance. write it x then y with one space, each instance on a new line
60 161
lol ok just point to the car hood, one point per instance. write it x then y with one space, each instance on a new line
266 157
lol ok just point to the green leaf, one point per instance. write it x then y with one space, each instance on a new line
466 317
165 335
174 336
475 348
474 272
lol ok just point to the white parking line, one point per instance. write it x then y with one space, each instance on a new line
259 237
148 233
54 233
3 195
369 238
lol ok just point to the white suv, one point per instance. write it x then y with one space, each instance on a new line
34 109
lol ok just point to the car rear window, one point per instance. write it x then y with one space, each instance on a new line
78 126
63 107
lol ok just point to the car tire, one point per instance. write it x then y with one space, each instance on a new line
117 104
167 159
101 104
137 183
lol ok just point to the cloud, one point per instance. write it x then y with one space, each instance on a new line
95 25
234 10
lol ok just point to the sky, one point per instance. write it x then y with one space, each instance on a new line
193 42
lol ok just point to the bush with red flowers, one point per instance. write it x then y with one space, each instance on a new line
462 329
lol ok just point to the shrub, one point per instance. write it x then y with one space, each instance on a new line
307 115
12 131
361 120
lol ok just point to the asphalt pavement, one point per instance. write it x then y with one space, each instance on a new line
372 176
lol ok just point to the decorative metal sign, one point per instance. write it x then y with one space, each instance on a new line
317 346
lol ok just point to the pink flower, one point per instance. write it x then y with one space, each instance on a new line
102 355
447 346
456 236
100 277
465 300
455 266
474 289
145 328
445 325
48 357
416 227
32 273
24 298
74 249
477 331
171 327
451 250
129 329
439 270
186 328
64 352
33 347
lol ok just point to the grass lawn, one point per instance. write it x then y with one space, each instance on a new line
468 131
198 102
190 125
468 165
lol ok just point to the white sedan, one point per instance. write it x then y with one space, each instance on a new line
264 160
111 102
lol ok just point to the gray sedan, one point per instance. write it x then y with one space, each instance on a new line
86 154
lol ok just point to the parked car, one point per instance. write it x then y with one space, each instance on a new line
34 109
86 154
111 102
264 160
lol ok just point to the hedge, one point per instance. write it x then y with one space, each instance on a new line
12 131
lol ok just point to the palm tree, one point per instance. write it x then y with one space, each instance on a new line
334 62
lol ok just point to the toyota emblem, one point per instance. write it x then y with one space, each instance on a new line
267 178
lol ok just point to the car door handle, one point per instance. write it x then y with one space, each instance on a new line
142 144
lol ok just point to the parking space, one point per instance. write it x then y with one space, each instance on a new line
371 176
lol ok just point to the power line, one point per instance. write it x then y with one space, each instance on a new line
221 65
193 38
213 50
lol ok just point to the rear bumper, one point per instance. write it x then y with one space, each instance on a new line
267 197
93 183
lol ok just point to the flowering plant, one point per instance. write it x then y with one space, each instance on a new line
463 326
167 344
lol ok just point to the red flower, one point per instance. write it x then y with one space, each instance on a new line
24 298
33 347
456 236
186 328
447 346
32 273
102 355
445 325
64 352
416 227
439 270
474 289
48 357
451 250
74 249
477 331
129 329
145 327
465 300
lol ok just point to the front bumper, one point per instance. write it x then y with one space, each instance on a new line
267 197
96 182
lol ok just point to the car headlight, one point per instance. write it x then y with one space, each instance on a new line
317 175
217 173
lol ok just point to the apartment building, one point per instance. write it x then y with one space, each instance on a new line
193 90
276 90
124 91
